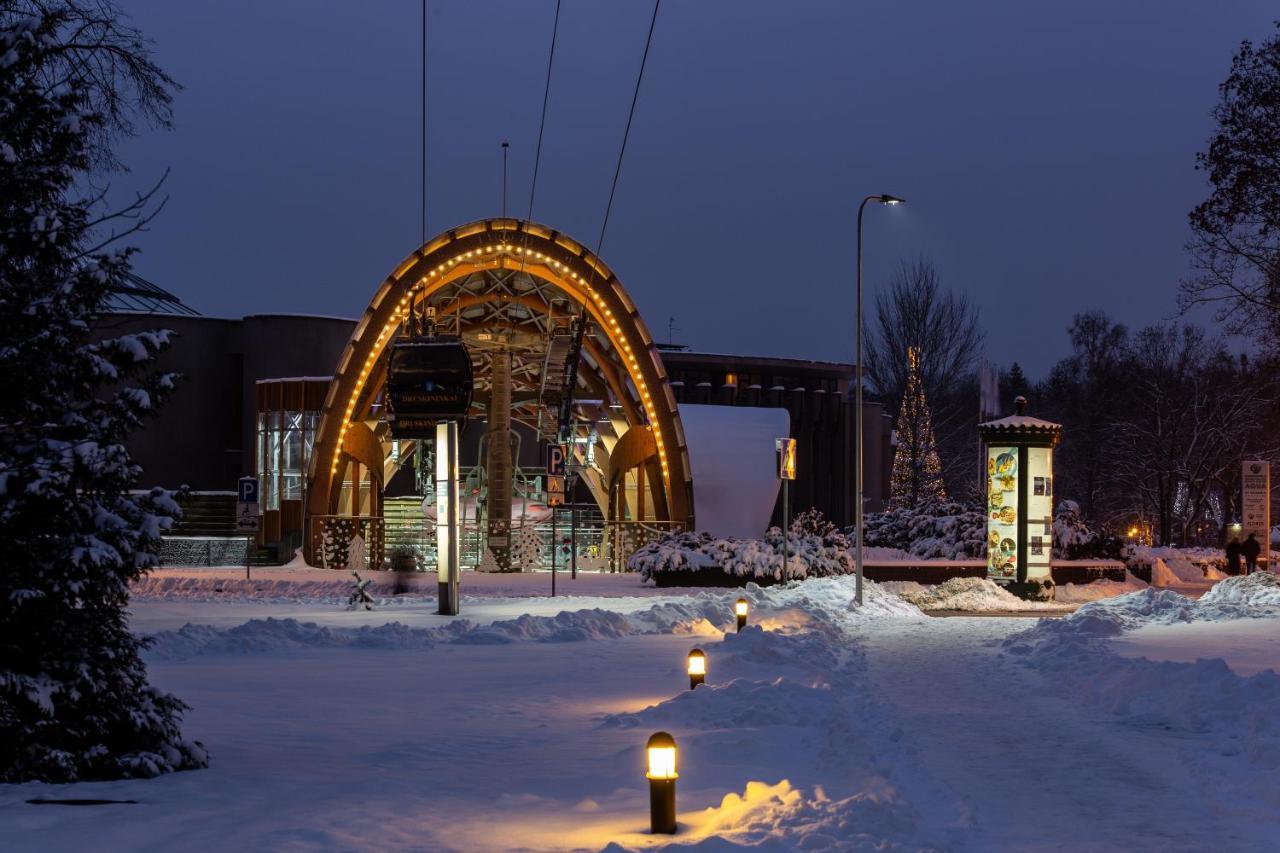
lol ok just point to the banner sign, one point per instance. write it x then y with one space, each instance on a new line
1255 503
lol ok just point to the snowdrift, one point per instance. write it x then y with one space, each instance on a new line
704 614
977 595
1204 698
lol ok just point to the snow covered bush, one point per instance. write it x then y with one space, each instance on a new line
948 530
1073 539
74 698
815 548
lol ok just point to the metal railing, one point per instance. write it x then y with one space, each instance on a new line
601 545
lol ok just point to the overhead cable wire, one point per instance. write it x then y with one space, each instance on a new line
631 114
580 331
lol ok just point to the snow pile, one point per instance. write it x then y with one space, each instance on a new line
784 608
1070 593
1255 595
1202 699
948 531
334 589
781 817
273 635
1181 566
971 594
741 703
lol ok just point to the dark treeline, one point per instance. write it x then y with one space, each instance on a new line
1155 425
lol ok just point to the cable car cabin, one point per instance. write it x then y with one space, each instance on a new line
429 380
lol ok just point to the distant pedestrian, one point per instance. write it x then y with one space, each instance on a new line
1250 549
1233 556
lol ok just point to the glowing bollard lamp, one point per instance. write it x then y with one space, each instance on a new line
661 750
697 668
740 610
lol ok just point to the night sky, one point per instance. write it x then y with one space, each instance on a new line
1047 155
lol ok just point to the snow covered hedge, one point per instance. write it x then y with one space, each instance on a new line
815 549
947 531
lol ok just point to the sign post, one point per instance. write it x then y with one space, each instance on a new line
786 448
1255 505
555 498
247 517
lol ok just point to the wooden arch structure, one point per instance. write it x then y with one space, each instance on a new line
619 367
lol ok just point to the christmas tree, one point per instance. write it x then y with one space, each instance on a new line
916 480
527 553
74 698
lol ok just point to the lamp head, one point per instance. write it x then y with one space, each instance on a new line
697 662
890 200
740 607
661 750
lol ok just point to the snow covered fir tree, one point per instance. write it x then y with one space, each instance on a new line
75 702
916 478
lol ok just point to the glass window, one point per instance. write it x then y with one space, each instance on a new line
285 441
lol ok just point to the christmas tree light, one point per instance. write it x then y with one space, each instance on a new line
916 479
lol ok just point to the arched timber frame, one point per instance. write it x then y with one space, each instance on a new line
498 244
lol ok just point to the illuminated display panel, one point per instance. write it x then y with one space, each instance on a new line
1002 513
1039 511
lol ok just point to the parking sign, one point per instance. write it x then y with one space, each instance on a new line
555 460
248 490
247 510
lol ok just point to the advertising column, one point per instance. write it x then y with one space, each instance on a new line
1255 505
1002 513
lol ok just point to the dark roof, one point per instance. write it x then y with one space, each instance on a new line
137 295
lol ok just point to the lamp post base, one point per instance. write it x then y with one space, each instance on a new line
448 598
662 806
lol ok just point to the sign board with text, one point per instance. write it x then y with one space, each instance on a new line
1255 503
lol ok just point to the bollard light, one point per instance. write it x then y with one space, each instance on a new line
661 751
697 668
740 610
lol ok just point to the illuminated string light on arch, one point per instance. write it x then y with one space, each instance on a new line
446 267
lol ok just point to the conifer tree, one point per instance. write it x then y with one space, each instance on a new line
74 698
916 479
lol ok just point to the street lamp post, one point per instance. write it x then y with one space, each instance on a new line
883 198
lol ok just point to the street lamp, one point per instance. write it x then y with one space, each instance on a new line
740 611
661 750
889 200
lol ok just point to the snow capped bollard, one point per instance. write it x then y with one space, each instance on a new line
661 751
740 610
697 668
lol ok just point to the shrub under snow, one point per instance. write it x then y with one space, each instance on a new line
815 549
948 531
1073 539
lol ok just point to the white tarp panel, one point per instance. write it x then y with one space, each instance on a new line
735 478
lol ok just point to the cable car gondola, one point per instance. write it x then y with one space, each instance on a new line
429 380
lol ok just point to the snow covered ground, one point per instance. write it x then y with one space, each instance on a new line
521 725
